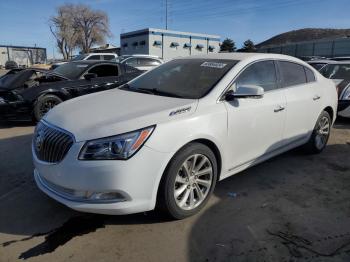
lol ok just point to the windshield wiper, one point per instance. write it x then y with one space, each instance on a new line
153 91
156 91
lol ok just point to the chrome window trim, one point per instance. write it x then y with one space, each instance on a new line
279 80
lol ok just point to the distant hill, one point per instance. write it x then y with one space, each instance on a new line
306 34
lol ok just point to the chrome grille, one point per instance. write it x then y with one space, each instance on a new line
51 144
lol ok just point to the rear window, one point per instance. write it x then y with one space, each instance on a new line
310 76
292 74
94 57
186 78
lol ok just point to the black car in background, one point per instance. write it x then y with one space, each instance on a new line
28 94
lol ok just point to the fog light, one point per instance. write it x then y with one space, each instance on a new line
96 196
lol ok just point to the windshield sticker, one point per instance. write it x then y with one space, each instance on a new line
213 65
82 65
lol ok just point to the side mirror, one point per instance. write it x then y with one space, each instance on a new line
245 91
90 76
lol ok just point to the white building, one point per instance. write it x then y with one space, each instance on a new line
22 55
167 44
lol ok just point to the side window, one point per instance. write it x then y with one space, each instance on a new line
94 57
148 62
260 74
131 61
108 57
105 70
310 77
292 74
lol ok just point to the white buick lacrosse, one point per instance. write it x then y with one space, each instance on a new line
165 138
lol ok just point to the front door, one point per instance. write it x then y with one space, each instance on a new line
255 125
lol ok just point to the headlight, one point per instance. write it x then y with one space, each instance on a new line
346 95
2 101
121 146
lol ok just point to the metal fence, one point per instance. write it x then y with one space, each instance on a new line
325 48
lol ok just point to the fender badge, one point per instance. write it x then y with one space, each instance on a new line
180 111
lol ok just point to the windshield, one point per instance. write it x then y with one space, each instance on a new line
70 70
336 71
79 57
185 78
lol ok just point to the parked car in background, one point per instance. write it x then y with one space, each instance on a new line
90 56
337 71
166 137
341 58
343 89
141 62
11 65
318 64
31 93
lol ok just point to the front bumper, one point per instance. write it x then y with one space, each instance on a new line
344 108
136 180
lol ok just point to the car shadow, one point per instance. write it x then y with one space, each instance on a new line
9 124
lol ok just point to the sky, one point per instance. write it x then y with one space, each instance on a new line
25 22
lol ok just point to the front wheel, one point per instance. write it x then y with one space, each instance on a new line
188 181
44 104
320 134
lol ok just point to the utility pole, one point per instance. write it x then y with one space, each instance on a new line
166 14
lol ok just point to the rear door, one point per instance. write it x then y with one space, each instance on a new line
302 101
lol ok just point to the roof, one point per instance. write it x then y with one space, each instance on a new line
317 61
92 62
141 55
167 32
243 56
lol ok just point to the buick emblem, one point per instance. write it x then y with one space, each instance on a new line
39 139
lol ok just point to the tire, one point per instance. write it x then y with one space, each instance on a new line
44 104
195 187
320 134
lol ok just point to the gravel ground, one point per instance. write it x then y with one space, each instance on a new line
2 72
294 207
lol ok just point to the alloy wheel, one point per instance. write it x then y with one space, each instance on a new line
322 132
193 182
47 106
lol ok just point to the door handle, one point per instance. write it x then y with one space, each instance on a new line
316 97
279 108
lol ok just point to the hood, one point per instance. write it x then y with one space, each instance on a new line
115 112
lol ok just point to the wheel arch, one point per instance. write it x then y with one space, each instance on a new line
330 111
62 95
213 147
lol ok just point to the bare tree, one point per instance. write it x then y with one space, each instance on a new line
92 25
78 26
61 26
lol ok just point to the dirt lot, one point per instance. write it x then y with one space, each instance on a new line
294 207
2 72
